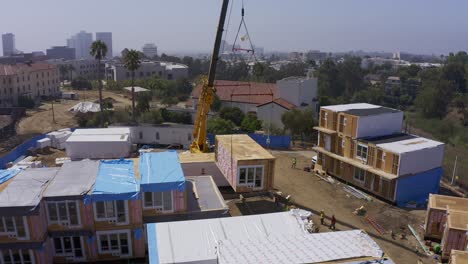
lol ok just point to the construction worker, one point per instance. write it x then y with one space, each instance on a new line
333 222
322 217
294 162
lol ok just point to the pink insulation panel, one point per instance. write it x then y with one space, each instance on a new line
135 211
179 201
227 164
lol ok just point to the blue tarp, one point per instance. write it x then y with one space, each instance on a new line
5 175
115 181
153 254
161 171
414 190
19 151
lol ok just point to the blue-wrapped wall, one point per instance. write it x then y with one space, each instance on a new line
415 189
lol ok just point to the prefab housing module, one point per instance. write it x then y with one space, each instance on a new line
436 215
246 165
105 143
455 233
458 257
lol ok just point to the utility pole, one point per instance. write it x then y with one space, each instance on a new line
53 113
454 170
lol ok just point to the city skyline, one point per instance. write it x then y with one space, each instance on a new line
425 27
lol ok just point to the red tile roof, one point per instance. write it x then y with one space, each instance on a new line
247 92
281 102
13 69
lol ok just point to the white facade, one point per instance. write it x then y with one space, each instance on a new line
299 91
416 154
34 81
105 143
165 70
86 68
271 113
8 41
81 42
164 134
106 37
150 50
379 125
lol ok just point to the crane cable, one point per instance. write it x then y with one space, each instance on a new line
227 25
242 23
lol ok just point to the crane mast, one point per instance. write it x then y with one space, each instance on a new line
199 143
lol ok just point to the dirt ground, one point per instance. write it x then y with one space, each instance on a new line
312 193
39 120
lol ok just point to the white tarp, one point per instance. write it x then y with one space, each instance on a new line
265 238
85 107
305 248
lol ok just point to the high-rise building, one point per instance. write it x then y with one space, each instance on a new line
61 52
150 50
81 42
8 41
106 37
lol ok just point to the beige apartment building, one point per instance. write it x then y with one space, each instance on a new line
35 80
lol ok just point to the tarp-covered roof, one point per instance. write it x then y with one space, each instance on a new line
115 181
161 171
74 180
265 238
24 193
5 175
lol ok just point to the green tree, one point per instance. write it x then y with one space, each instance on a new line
98 50
63 69
71 69
216 105
144 100
328 80
299 122
132 62
232 113
434 98
151 117
250 124
219 126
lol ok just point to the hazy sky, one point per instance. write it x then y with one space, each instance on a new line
420 26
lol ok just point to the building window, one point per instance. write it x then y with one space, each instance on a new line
69 247
251 176
112 211
140 135
361 152
161 201
16 256
189 136
14 226
142 74
114 242
359 175
64 213
157 135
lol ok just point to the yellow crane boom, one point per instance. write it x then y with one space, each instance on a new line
199 143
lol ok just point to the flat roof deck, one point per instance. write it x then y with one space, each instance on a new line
410 145
438 201
243 147
161 171
23 194
188 157
457 219
73 180
458 257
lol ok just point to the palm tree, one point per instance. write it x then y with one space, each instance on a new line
63 69
99 51
132 63
71 68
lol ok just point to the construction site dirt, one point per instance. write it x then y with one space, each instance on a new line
386 223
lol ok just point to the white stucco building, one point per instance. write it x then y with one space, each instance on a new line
165 70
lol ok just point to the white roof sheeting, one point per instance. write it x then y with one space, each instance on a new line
410 145
138 89
346 107
98 138
85 107
103 131
265 238
305 248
